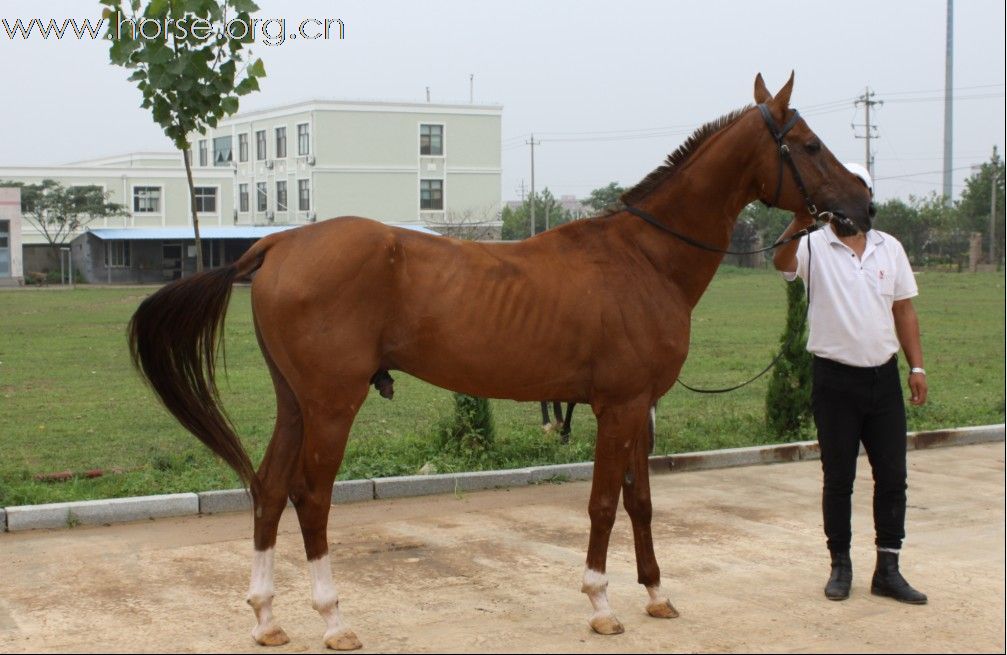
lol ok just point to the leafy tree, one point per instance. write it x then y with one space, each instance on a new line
974 205
61 212
788 398
768 222
948 240
604 197
188 76
516 221
905 223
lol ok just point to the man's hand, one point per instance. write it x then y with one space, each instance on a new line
785 257
907 328
918 388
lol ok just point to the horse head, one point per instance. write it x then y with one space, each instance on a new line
797 172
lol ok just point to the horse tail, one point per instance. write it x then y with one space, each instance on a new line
173 339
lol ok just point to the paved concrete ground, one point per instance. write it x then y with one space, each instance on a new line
741 552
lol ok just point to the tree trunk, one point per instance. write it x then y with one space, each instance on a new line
186 155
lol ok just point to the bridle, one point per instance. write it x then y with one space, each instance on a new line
778 133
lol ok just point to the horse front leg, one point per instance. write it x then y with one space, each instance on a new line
620 427
636 498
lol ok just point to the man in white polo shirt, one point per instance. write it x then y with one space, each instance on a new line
860 285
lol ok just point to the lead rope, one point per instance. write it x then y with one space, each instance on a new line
786 344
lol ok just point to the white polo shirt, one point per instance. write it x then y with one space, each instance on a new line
850 318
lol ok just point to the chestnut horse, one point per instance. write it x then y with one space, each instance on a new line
596 311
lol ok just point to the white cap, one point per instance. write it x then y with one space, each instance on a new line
862 173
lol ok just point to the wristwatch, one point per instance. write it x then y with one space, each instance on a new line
917 369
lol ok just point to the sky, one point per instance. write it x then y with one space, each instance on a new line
607 88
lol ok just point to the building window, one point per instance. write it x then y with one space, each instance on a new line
146 200
261 197
242 197
117 254
260 145
206 199
281 196
281 143
222 155
304 195
303 140
243 147
432 194
431 139
202 152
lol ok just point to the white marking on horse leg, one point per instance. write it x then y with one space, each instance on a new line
603 620
325 600
260 597
659 606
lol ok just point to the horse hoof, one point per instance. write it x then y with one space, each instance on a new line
274 636
343 640
606 624
662 609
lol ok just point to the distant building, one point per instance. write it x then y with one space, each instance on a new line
11 271
410 164
576 208
570 203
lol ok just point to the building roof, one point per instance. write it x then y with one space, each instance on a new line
184 232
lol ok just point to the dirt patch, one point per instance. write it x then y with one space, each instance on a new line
741 552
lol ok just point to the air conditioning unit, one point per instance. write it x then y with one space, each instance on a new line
310 159
311 216
269 164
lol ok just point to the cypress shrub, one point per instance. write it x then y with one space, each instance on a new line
471 428
788 398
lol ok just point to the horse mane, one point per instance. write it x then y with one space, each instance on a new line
675 160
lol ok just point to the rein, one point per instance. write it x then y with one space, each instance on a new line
778 133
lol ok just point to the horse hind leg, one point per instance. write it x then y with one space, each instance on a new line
567 423
274 476
327 427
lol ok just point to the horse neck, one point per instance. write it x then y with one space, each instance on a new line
701 200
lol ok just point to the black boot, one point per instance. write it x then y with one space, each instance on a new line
838 586
889 582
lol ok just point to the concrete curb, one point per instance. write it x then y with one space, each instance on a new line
226 500
727 458
352 491
120 510
956 437
97 512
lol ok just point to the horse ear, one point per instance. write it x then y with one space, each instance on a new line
782 99
762 94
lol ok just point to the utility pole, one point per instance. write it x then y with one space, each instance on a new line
472 88
948 130
532 143
870 131
993 206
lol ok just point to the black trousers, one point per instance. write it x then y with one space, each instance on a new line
853 405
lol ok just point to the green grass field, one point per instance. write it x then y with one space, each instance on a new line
69 399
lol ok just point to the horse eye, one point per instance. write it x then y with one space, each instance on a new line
813 146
